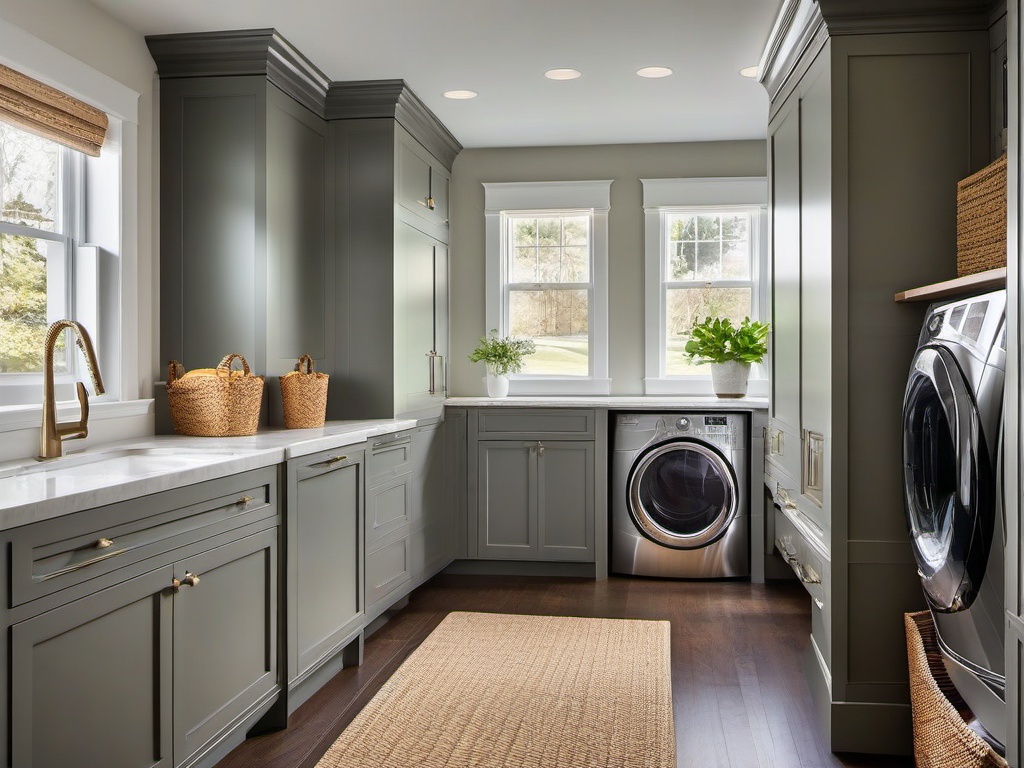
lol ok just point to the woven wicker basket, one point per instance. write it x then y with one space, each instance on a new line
214 402
942 738
304 396
981 220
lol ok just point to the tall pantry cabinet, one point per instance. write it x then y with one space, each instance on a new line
302 216
877 109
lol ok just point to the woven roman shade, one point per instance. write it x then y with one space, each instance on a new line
50 113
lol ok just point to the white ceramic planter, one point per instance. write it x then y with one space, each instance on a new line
497 386
729 379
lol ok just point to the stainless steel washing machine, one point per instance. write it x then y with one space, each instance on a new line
952 415
680 495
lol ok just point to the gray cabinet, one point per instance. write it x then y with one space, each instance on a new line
410 525
324 574
534 484
422 181
160 652
860 211
300 215
535 500
393 277
245 248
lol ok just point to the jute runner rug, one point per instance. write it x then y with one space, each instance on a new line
488 690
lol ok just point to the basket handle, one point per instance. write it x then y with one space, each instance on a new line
305 364
225 364
175 371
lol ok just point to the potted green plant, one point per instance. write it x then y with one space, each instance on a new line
730 349
502 357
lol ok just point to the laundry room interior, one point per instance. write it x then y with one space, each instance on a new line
537 384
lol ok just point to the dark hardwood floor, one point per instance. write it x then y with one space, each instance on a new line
740 696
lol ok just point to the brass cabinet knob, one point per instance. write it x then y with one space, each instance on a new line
244 500
430 203
103 543
190 580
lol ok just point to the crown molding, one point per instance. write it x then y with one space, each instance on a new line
392 98
241 52
265 53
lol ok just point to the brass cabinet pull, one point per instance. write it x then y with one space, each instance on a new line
103 543
244 500
431 357
330 461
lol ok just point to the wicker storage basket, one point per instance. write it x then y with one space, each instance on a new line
304 396
942 738
214 402
981 220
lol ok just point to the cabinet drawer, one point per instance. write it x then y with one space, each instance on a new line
797 544
387 509
387 568
536 422
56 554
387 457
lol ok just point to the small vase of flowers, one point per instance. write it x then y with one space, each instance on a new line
502 357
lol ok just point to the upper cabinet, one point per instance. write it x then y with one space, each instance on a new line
877 110
300 216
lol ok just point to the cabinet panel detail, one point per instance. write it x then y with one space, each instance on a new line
91 681
387 569
538 423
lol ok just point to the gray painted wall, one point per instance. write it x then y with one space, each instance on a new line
626 164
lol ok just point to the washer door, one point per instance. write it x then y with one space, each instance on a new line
948 481
682 494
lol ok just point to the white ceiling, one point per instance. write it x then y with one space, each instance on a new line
501 48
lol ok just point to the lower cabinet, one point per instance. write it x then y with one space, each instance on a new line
535 499
159 668
409 526
324 557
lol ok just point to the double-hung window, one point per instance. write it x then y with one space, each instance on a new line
547 266
704 256
68 229
39 196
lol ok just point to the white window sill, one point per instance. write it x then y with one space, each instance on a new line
697 385
15 417
545 385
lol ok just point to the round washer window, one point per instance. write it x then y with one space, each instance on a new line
683 494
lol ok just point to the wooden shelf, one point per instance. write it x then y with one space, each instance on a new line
961 286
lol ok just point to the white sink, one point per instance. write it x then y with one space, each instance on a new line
118 463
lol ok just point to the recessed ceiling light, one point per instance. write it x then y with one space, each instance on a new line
654 72
460 94
562 74
753 71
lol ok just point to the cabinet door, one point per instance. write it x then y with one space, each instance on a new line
565 500
439 181
325 603
421 321
507 499
413 177
785 152
225 640
92 679
433 528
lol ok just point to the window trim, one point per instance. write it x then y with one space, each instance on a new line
667 196
115 258
537 198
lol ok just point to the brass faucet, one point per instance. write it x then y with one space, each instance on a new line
53 434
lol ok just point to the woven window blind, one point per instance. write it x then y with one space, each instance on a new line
50 113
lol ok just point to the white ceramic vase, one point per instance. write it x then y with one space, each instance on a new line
497 385
729 379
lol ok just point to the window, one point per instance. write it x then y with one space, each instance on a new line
705 255
38 195
68 234
547 266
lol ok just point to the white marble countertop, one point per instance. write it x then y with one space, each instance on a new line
635 403
32 490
